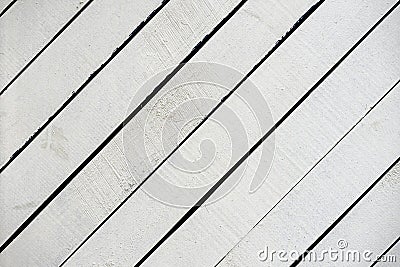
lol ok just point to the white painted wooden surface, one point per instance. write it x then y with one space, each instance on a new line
224 229
222 224
101 106
300 218
394 251
328 190
225 222
123 184
371 226
64 67
27 27
4 4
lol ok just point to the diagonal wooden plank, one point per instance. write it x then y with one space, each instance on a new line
27 27
223 38
5 5
367 229
71 61
386 257
29 62
140 234
207 225
180 38
327 190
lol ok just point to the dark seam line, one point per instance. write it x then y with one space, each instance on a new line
7 8
193 209
80 89
223 258
337 221
46 46
120 126
313 167
277 44
385 252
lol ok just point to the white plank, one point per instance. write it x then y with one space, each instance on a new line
388 261
27 27
223 224
268 13
370 227
86 44
4 4
142 221
89 119
328 190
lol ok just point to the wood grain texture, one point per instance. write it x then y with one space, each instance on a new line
27 27
178 33
223 224
337 142
328 190
115 175
128 239
371 226
64 66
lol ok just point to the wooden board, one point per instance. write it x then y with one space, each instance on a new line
369 228
27 27
124 183
393 251
65 65
225 223
74 134
328 190
135 237
323 156
4 5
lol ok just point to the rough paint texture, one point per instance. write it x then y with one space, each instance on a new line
327 152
